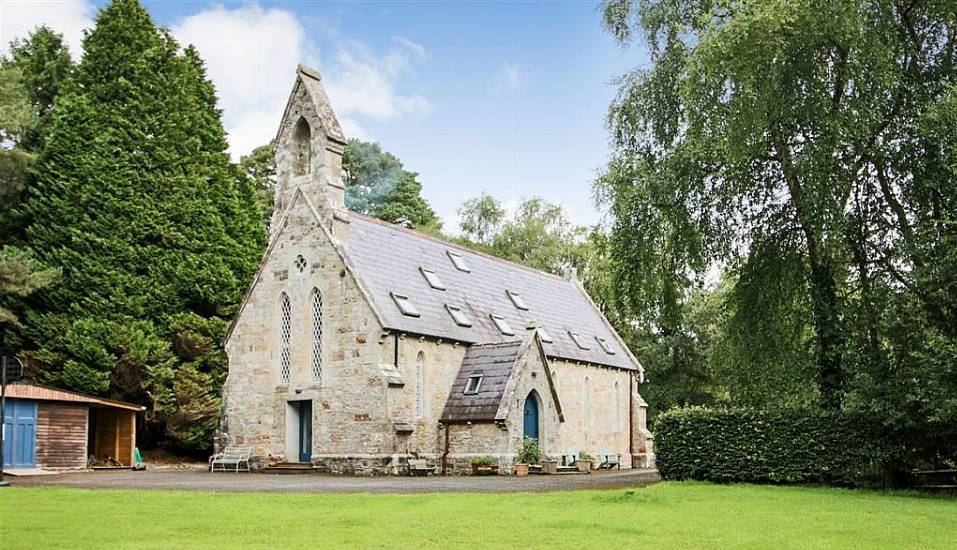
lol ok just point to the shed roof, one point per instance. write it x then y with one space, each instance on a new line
389 260
494 362
24 390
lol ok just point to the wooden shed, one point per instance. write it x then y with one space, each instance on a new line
52 428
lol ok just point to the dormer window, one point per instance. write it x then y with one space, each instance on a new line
502 325
605 345
432 278
405 305
458 261
473 384
459 316
517 299
579 341
302 148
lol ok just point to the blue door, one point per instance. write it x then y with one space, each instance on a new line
531 416
305 431
20 434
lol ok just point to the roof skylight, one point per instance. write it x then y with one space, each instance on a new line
517 299
473 384
544 336
405 305
502 325
579 341
458 261
433 278
459 316
605 345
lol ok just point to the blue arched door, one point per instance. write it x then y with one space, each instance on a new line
531 416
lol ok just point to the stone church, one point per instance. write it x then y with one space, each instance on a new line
360 344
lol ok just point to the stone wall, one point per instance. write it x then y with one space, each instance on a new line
348 400
441 362
595 402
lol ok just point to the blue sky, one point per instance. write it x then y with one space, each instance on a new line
507 98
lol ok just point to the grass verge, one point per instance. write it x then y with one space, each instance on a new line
665 515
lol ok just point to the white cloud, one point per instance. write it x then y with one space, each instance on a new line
414 47
251 55
509 78
363 83
69 17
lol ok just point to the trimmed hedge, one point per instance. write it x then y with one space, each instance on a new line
780 446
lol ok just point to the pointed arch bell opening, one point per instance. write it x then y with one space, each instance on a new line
302 148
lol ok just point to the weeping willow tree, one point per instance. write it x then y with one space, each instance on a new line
802 147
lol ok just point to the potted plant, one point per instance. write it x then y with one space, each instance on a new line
528 454
550 466
482 466
584 462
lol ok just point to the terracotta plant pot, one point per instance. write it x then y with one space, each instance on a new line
521 470
583 465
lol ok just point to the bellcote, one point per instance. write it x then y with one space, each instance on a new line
308 148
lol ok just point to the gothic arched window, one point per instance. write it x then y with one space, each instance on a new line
316 361
285 311
419 385
302 148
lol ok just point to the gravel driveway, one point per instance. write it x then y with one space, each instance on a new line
200 480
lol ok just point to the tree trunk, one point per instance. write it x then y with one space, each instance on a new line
830 376
827 330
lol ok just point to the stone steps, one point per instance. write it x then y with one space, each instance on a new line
569 470
290 468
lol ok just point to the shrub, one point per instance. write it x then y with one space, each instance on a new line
585 456
481 461
781 446
529 453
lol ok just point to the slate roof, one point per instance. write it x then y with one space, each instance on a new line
387 259
495 362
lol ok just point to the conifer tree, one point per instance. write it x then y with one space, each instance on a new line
20 273
44 62
155 231
405 204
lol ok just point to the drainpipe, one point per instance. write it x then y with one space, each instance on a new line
395 350
631 417
445 454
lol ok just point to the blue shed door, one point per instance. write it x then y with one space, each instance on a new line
20 434
531 416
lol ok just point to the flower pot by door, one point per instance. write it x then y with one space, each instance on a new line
521 469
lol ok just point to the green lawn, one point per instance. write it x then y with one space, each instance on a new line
666 515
